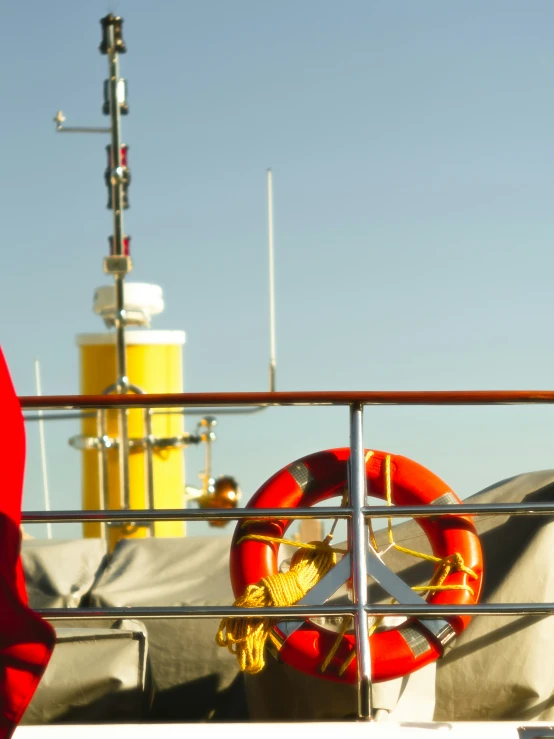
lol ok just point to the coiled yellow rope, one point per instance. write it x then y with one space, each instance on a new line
247 637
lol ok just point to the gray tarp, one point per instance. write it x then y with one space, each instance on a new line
503 667
94 675
59 573
194 678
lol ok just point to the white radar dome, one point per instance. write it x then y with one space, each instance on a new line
142 301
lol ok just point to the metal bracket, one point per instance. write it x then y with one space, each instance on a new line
439 628
117 265
85 443
320 593
59 120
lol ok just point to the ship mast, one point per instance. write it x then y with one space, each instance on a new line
118 263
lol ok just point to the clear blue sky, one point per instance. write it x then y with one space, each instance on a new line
412 145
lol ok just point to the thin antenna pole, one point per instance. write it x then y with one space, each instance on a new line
272 360
43 451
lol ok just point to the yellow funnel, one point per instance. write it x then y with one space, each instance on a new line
154 363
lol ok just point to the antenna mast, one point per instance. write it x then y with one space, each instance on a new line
118 263
272 358
117 177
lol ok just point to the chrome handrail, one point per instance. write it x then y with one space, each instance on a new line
325 512
172 514
297 612
277 398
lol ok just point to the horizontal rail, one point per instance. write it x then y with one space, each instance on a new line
200 611
78 415
335 397
483 609
69 416
464 509
296 612
172 514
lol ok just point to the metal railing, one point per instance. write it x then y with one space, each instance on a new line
356 512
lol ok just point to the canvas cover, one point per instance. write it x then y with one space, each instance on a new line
193 678
503 666
60 572
95 674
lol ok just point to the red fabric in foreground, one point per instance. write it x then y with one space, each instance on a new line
26 641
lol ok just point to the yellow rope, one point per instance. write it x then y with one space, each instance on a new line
369 524
291 542
336 645
455 561
352 655
246 637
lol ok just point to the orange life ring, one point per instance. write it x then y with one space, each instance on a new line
317 477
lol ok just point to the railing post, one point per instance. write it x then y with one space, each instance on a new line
149 464
101 432
358 538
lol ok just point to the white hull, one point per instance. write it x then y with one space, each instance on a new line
327 730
